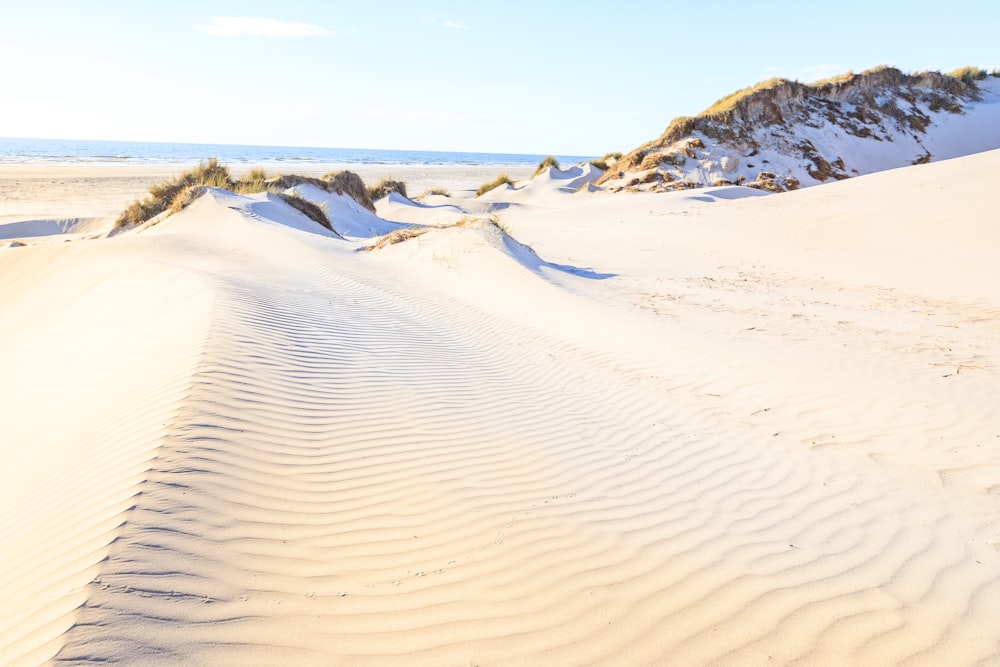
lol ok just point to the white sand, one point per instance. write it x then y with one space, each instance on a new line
694 428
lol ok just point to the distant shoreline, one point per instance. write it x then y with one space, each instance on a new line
74 153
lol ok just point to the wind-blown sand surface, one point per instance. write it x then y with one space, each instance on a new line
705 427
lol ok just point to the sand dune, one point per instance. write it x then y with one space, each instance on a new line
687 428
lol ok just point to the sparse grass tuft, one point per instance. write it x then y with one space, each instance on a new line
436 191
384 187
311 210
495 220
547 161
397 236
495 183
969 74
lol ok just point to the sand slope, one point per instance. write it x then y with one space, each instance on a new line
654 429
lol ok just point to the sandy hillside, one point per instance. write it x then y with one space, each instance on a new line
781 135
713 427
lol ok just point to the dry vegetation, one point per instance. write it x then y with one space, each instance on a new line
176 193
384 187
547 161
489 221
162 195
397 236
311 210
350 184
606 160
495 183
969 74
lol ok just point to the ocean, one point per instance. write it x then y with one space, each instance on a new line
71 152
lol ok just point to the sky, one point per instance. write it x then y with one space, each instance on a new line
566 78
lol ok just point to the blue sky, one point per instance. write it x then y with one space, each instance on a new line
569 78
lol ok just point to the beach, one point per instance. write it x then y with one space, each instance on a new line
547 425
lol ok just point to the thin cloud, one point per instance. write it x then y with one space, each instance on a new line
236 26
451 24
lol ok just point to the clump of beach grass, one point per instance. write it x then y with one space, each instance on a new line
384 186
252 182
605 161
547 161
969 74
162 195
186 197
502 179
436 191
174 194
349 183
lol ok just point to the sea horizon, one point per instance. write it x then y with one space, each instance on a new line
76 152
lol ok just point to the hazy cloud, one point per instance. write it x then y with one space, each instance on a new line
234 26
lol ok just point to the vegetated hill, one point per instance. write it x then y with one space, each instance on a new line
781 135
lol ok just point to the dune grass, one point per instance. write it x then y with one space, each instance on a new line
605 161
162 195
254 181
969 74
495 183
312 211
730 101
175 193
436 191
349 183
384 186
547 161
